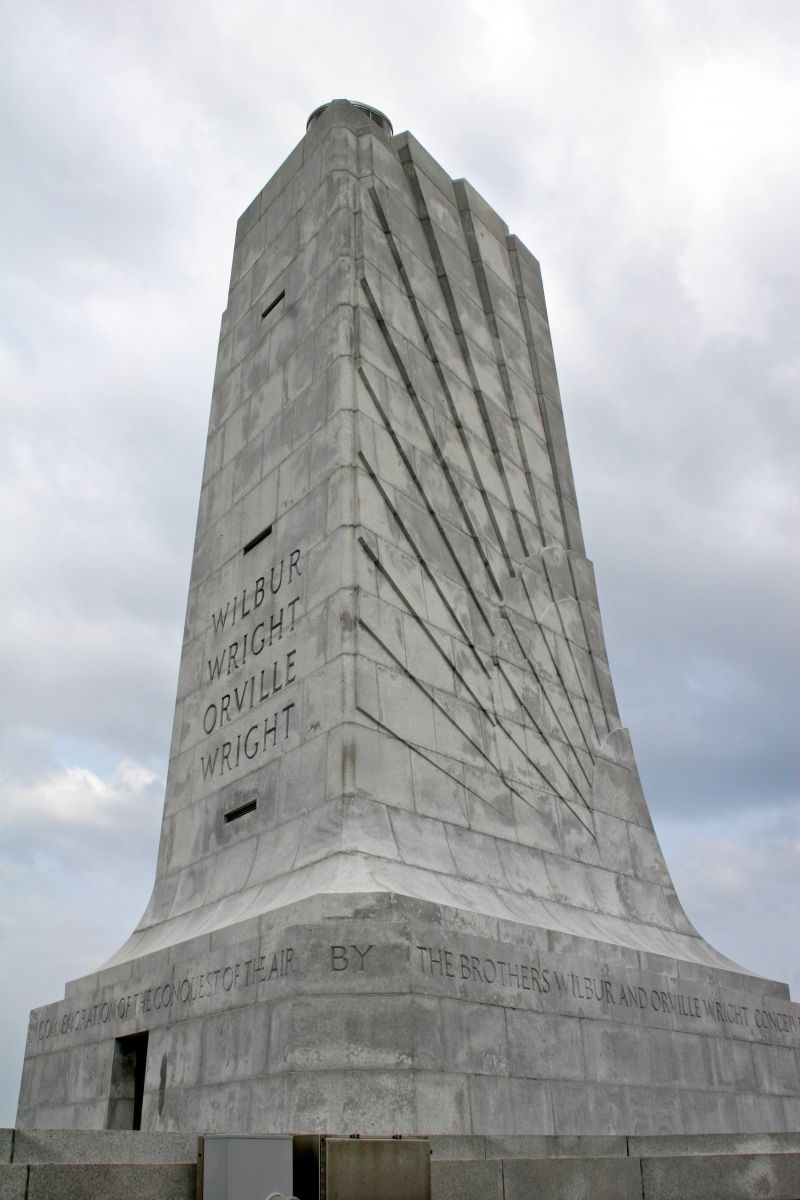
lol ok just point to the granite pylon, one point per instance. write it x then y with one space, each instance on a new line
407 880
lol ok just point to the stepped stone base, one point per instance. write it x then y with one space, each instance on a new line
699 1177
61 1164
110 1165
707 1167
385 1015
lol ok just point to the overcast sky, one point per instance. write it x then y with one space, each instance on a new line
645 151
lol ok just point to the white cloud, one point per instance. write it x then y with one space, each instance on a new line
76 797
739 880
77 859
72 818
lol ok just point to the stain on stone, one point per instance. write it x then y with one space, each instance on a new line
348 763
162 1084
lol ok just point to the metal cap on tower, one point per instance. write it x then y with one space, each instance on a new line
374 114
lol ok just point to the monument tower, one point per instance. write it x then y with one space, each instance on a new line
407 878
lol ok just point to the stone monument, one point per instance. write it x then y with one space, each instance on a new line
407 879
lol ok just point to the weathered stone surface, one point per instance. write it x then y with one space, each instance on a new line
572 1179
107 1146
555 1147
722 1177
162 1181
407 879
715 1144
471 1180
13 1182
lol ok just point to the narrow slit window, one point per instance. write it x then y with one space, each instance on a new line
273 304
241 810
257 540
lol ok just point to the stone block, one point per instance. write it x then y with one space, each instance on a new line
474 1037
471 1180
681 1145
545 1047
103 1146
13 1181
442 1101
722 1177
377 1032
527 1146
572 1179
160 1181
501 1105
365 1102
458 1147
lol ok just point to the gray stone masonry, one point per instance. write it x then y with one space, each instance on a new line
51 1164
704 1167
700 1177
407 879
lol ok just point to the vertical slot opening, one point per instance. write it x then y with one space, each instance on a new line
128 1071
257 540
273 304
241 810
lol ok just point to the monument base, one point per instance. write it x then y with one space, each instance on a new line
381 1014
109 1165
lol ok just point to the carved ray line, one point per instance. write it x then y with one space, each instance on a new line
552 589
481 279
423 564
547 743
589 648
440 459
429 346
478 266
423 626
428 505
458 329
544 737
532 762
494 719
533 356
523 752
556 666
482 282
440 708
551 639
436 362
498 770
516 270
459 782
544 690
566 639
426 757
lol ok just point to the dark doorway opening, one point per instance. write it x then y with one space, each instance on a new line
127 1082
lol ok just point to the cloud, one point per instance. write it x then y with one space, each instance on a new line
745 867
72 819
77 861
